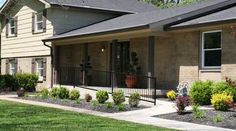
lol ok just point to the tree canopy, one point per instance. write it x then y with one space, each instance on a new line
171 3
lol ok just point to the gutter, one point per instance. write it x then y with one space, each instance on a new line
51 55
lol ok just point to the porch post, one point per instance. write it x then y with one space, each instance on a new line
113 63
85 62
56 66
150 59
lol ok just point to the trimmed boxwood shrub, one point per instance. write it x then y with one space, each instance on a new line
55 92
74 95
201 92
102 96
134 99
26 81
118 97
63 93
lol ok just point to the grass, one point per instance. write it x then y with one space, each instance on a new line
21 117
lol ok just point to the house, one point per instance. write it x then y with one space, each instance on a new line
26 22
189 43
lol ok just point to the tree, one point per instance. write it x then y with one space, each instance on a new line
171 3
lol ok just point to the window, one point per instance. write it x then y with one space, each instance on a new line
39 22
12 27
211 49
12 67
40 68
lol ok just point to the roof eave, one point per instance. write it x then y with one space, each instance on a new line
98 33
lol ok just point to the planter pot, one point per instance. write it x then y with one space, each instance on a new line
131 81
21 92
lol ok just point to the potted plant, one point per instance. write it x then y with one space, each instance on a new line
133 69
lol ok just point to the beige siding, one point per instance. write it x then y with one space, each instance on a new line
26 43
66 19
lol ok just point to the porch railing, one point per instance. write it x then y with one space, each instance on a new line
109 81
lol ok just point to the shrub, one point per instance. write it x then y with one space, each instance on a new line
55 92
95 103
121 107
218 118
102 96
200 92
181 103
88 97
118 97
63 93
109 105
221 101
197 113
44 93
26 81
134 99
171 95
222 87
74 95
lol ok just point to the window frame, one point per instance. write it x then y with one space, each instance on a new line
36 22
38 69
214 49
10 34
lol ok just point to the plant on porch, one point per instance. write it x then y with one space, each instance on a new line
133 70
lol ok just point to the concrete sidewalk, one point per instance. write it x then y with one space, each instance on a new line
143 116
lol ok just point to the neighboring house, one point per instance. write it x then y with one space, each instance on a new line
26 22
188 43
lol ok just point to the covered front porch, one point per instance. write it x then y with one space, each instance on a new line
124 61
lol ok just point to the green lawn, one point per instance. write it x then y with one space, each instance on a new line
14 116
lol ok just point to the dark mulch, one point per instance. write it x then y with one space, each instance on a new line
93 105
228 121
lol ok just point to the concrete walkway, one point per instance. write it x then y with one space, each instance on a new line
143 116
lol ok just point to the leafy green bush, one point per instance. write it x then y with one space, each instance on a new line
120 107
109 105
118 97
63 93
44 93
222 87
197 113
171 95
55 92
102 96
8 82
218 118
74 95
134 99
200 92
26 81
221 101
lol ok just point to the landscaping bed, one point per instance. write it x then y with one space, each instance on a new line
212 118
107 107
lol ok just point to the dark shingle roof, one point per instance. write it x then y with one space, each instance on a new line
132 6
155 18
225 15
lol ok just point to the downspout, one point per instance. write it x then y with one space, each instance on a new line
51 55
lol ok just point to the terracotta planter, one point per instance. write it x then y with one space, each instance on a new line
131 81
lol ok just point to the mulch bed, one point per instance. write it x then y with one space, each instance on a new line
85 105
228 118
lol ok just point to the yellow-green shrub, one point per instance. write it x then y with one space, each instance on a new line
171 95
221 101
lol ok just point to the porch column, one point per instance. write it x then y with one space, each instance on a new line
56 66
85 62
150 59
113 63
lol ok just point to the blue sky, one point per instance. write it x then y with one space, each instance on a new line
1 2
